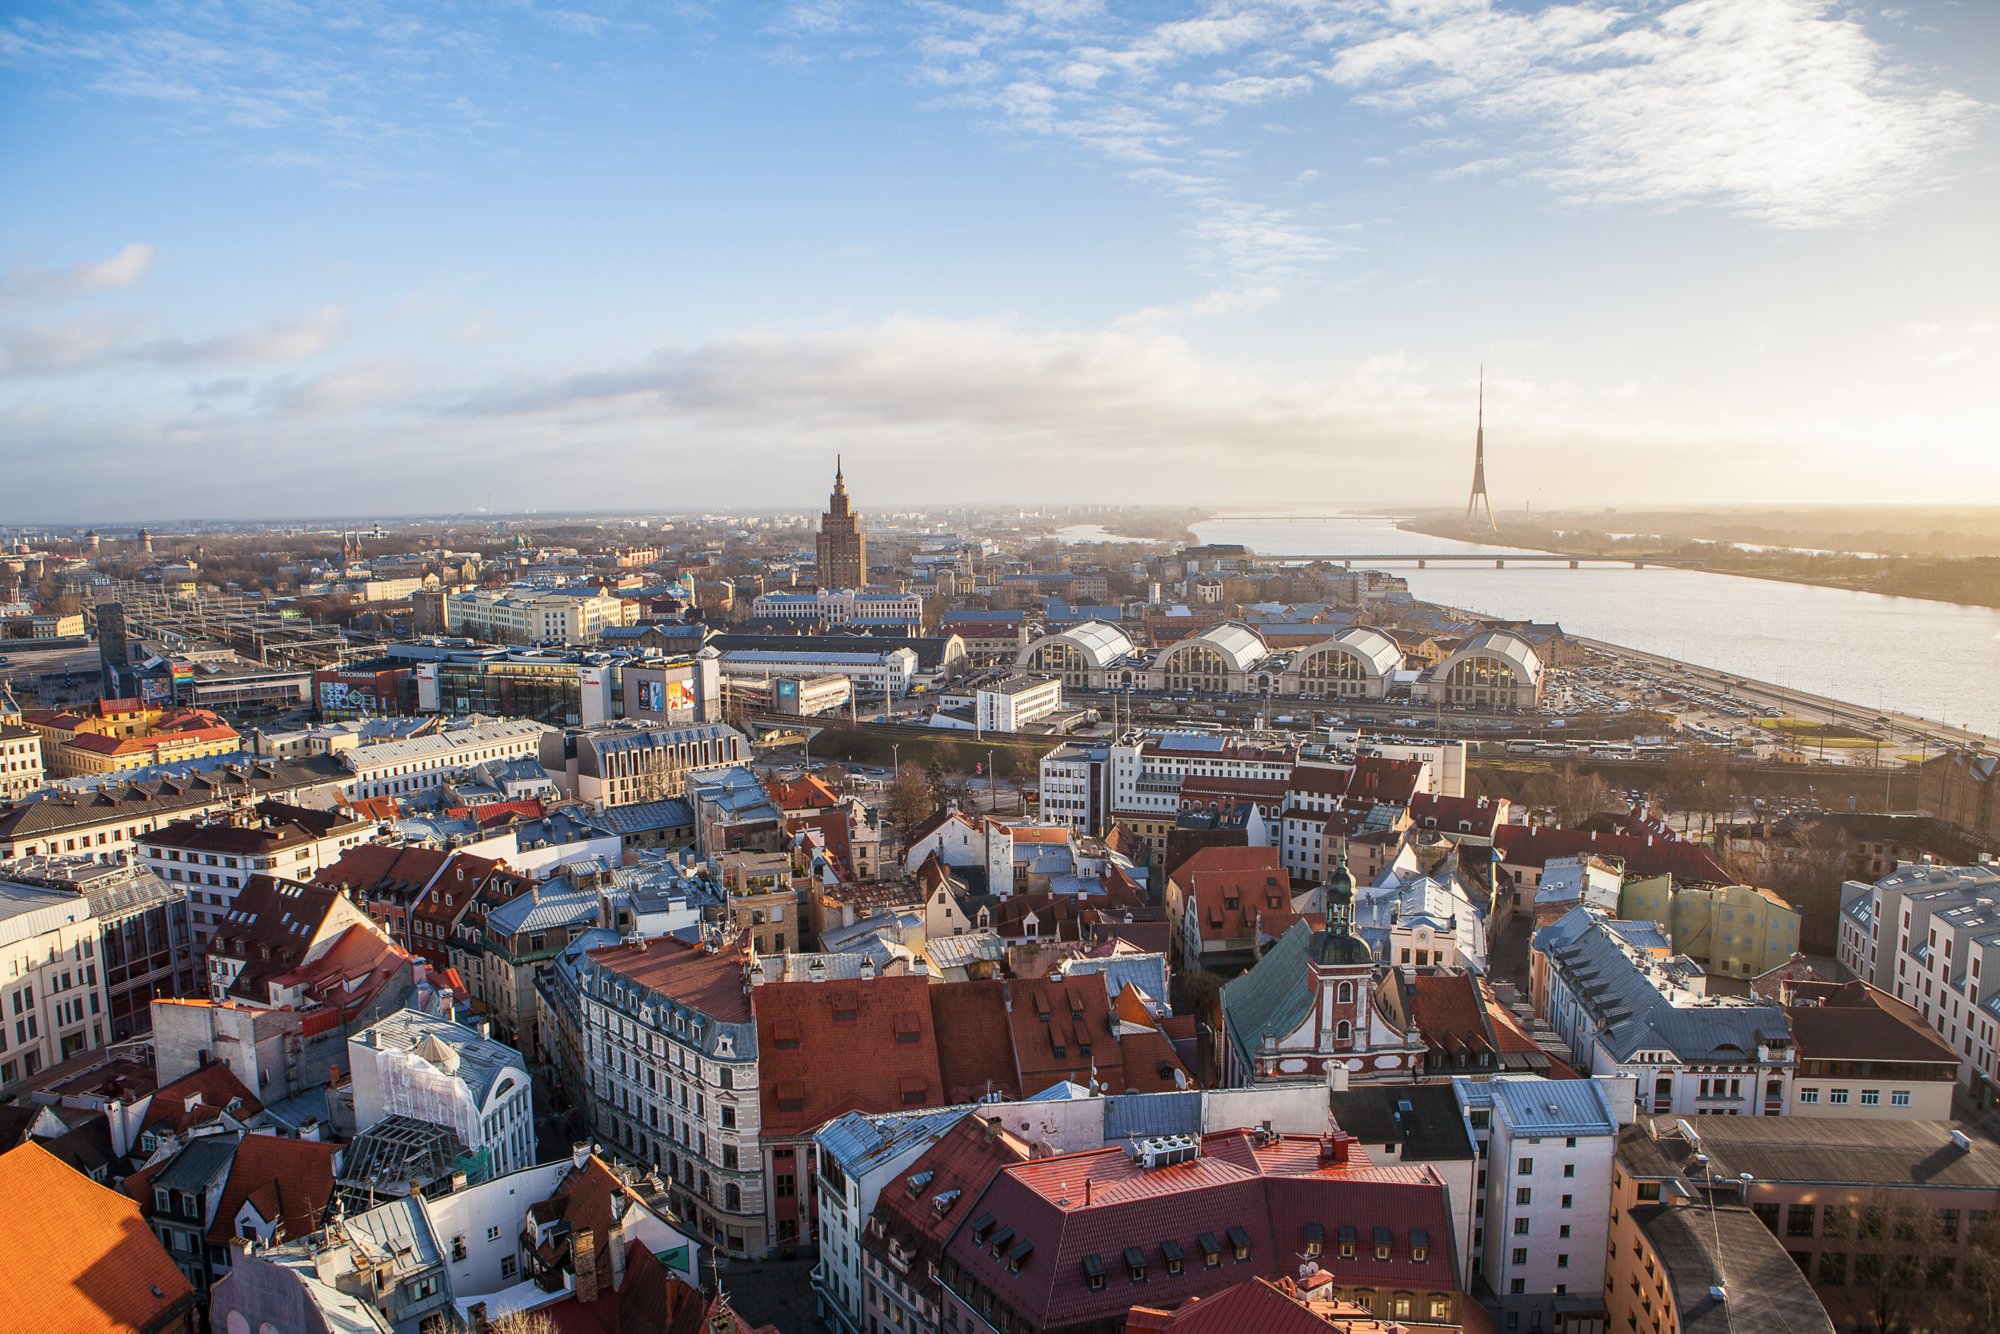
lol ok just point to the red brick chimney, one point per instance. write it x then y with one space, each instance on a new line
583 1250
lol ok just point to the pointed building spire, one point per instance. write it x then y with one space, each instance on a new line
1479 496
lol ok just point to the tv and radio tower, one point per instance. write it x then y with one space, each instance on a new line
1479 496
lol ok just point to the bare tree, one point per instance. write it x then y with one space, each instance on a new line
1900 1251
909 800
1572 793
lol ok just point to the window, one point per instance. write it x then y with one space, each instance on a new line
1808 1095
1520 1227
1525 1167
1871 1097
1833 1268
1520 1255
1523 1196
508 1266
1838 1097
493 1234
1900 1098
1799 1220
1569 1170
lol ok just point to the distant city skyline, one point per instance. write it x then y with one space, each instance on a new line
613 258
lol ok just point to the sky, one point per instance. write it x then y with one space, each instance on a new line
279 259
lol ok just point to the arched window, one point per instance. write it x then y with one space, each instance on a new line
732 1198
1343 1031
1344 994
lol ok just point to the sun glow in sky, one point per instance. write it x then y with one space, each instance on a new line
279 259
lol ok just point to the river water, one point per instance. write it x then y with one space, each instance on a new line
1928 659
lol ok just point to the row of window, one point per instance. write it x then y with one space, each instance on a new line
1837 1097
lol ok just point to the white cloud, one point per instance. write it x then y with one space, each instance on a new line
1778 110
93 342
124 269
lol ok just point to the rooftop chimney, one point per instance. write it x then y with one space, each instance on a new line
584 1251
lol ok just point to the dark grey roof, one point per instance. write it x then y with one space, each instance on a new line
1849 1152
163 796
1728 1272
1424 1119
200 1165
1623 997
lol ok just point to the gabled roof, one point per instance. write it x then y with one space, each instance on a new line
1053 1216
75 1256
198 1097
287 1181
1275 994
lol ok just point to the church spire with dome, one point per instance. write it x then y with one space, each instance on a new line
1337 945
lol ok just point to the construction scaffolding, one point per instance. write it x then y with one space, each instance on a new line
183 617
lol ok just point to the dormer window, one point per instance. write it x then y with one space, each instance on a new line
1170 1251
1347 1241
1382 1243
1135 1264
1211 1250
1239 1244
1315 1239
1093 1273
1420 1245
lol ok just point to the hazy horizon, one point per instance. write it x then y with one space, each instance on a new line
272 263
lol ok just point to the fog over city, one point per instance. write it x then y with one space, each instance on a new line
290 261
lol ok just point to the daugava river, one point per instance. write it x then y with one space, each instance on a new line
1930 659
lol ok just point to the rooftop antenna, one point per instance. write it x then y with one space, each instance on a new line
1479 496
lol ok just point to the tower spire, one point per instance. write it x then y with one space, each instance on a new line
1479 496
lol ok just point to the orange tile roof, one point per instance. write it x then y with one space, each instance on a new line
76 1257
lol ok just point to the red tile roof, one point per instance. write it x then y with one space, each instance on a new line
1853 1021
1100 1203
1449 1011
937 1193
801 794
1238 892
1380 781
1689 863
711 982
287 1181
1258 1305
198 1097
827 1048
75 1257
1436 811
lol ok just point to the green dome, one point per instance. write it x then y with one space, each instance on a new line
1340 885
1337 949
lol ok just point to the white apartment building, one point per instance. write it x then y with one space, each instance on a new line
669 1045
20 761
1071 777
1929 935
527 615
434 1070
420 763
858 1155
889 672
1146 775
1628 1005
53 994
215 858
830 607
1546 1151
618 764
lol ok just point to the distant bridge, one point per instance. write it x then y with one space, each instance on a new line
1498 559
